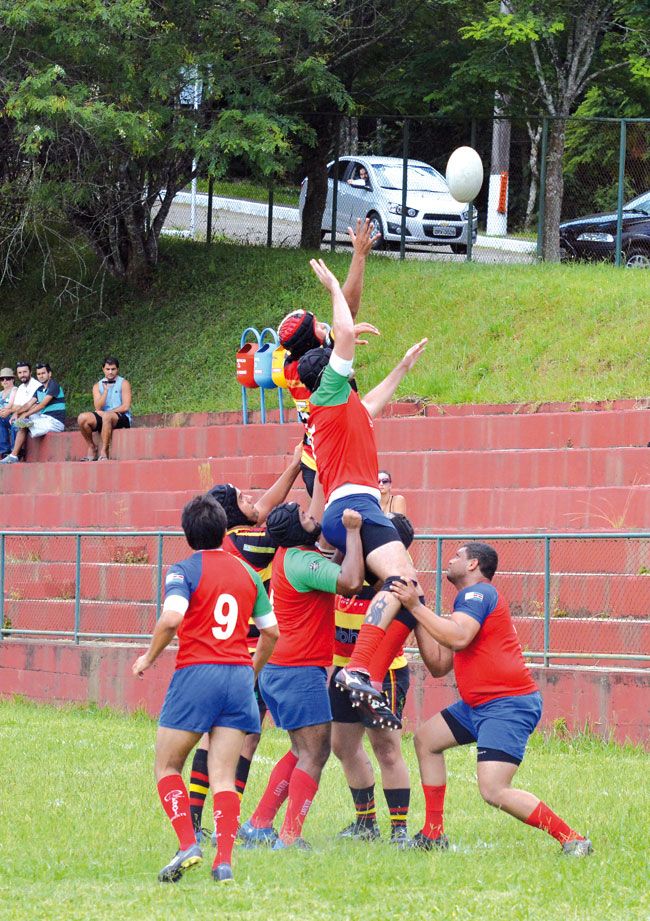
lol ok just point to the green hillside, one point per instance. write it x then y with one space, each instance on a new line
497 333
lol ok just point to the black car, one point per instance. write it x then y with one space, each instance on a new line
594 237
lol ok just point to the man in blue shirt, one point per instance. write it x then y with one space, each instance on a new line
112 402
44 413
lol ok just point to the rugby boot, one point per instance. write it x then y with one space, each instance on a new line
357 685
256 837
399 838
298 844
376 714
425 843
223 873
578 847
361 831
182 861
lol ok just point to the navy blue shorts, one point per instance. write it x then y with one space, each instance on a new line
296 695
502 725
377 529
202 696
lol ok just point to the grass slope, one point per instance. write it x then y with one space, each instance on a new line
498 333
82 837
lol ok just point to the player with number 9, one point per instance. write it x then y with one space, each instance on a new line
209 598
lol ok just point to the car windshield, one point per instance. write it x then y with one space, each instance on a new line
642 204
419 179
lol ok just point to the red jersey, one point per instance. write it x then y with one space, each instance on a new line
302 586
222 594
343 435
493 664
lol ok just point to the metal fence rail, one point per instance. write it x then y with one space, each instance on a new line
576 598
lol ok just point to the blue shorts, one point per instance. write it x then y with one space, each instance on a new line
202 696
296 695
377 529
501 726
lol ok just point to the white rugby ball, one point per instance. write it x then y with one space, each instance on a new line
464 174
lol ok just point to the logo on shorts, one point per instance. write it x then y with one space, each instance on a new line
473 596
174 577
173 797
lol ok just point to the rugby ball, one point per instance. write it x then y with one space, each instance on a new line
464 174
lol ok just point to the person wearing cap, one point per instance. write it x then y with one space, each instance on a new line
300 331
246 538
44 413
294 681
22 399
7 393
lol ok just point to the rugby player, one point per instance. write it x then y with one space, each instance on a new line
344 443
499 707
209 598
294 683
246 538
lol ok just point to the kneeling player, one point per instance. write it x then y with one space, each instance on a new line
500 703
209 598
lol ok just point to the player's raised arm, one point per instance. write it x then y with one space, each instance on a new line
342 322
377 399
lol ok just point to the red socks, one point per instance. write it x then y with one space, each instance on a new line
302 790
367 644
392 642
176 803
544 818
277 790
434 802
226 823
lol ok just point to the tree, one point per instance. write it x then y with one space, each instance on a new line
569 46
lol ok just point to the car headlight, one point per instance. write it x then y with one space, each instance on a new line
397 209
596 237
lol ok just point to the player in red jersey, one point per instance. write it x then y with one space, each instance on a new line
209 598
346 452
500 703
246 538
294 683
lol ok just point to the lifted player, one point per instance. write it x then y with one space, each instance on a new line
209 598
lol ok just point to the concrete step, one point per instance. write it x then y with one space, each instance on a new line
471 469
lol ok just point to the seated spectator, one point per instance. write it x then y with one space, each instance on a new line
390 504
44 413
7 394
112 399
360 180
27 387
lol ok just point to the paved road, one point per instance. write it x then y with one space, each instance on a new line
252 229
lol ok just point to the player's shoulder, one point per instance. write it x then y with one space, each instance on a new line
186 571
481 594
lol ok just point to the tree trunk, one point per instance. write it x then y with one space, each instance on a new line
315 160
554 191
533 165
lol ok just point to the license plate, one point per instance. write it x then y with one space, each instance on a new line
439 231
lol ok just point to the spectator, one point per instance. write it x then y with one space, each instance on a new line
390 504
7 393
24 395
361 179
112 399
45 412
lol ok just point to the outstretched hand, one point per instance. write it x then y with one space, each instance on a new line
364 328
365 237
352 520
412 355
326 278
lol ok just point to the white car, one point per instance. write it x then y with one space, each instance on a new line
372 187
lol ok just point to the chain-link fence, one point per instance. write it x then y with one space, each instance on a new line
575 599
605 177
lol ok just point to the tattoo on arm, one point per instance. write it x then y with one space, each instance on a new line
376 611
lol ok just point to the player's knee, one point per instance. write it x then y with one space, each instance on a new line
388 753
491 792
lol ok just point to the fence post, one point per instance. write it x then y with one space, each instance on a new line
208 229
547 599
542 190
621 191
438 575
77 588
335 189
405 173
159 574
269 219
2 585
470 205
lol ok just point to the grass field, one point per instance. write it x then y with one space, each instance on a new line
498 333
82 836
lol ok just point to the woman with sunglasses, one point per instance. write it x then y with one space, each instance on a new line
7 394
390 504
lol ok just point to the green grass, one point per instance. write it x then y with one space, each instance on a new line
82 836
252 191
502 333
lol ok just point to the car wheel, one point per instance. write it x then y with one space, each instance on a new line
376 226
459 248
637 257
